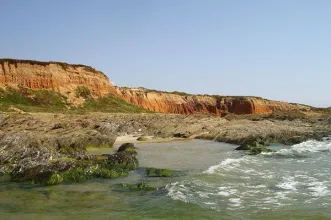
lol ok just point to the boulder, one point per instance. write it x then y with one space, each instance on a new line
126 146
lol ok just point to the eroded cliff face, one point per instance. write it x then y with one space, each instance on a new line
64 78
61 77
219 105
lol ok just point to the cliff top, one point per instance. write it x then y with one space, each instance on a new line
64 65
146 90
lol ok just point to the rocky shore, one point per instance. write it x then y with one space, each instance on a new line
48 149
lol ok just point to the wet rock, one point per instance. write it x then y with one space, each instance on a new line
77 142
125 158
244 147
142 187
255 145
52 159
295 140
142 138
180 135
152 172
258 150
253 142
126 146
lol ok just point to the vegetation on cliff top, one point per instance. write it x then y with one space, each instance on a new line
218 97
65 66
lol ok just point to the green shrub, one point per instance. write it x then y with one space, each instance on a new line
180 93
82 91
48 97
111 103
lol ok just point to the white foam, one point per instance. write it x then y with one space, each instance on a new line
203 194
318 189
305 147
261 182
226 191
210 203
288 184
175 193
257 187
236 202
223 193
227 164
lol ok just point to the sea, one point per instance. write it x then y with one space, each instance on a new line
212 181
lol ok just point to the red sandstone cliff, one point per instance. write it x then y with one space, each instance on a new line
65 78
61 77
187 104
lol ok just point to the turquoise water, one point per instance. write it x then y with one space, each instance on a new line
218 183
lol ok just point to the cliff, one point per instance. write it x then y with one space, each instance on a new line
187 104
65 78
62 77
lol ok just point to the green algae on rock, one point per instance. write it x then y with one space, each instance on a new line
43 160
142 186
126 147
255 145
152 172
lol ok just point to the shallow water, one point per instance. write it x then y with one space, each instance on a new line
219 183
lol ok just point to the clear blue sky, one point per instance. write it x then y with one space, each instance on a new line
277 49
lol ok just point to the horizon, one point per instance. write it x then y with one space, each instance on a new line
275 50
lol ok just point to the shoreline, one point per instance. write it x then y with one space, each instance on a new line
38 146
150 139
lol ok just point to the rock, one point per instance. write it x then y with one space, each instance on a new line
253 142
244 147
77 141
258 150
135 187
12 108
255 145
62 169
295 140
58 126
152 172
180 135
126 146
106 128
54 158
126 158
142 138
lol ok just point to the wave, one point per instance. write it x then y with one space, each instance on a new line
268 181
288 184
303 149
229 164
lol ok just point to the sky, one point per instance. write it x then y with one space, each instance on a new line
276 49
